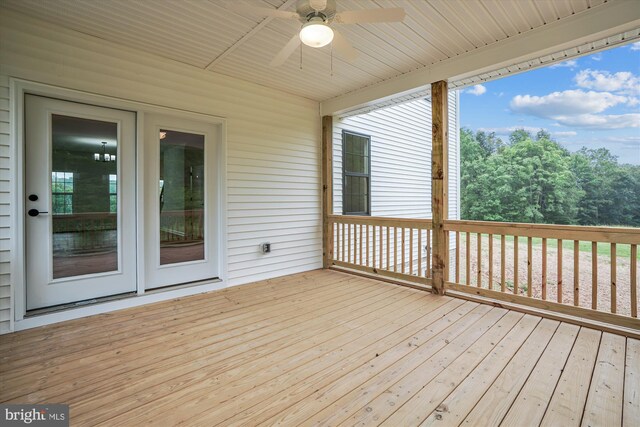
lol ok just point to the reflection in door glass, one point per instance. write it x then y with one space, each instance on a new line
84 196
181 197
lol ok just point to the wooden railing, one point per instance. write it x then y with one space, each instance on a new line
182 225
588 272
393 247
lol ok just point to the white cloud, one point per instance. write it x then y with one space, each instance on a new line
597 57
572 63
631 140
566 103
623 82
562 134
477 90
635 46
601 121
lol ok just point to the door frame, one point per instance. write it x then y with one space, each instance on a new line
17 89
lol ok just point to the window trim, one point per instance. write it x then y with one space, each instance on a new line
344 173
62 193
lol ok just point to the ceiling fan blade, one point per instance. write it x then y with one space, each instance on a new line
286 51
343 47
368 16
245 9
318 5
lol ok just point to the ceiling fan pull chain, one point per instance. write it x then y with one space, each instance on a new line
331 59
301 56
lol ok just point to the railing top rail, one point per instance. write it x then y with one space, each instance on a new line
623 235
379 220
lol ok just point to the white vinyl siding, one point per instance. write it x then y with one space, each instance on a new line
5 207
401 161
400 158
273 141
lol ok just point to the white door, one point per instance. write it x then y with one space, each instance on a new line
79 202
181 201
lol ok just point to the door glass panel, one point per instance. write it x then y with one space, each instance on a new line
181 197
84 196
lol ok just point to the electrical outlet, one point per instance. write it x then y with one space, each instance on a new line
265 247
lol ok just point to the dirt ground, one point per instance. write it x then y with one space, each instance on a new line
623 303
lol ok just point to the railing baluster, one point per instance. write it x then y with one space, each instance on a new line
373 247
342 243
594 275
381 248
490 284
503 259
515 265
544 269
395 249
559 275
410 250
446 251
428 259
388 249
349 242
366 232
529 267
468 260
576 273
634 280
419 252
403 250
336 253
360 242
479 261
613 277
457 257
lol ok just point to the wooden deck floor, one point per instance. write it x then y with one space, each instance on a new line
325 348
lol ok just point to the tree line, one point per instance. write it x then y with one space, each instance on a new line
534 179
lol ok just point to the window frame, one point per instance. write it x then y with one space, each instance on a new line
64 194
354 174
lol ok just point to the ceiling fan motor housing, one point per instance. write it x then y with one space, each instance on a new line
306 11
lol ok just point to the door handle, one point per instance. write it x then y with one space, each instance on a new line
35 212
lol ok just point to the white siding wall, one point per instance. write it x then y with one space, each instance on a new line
401 162
400 158
273 148
5 206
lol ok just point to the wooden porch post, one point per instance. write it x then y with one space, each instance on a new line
439 182
327 190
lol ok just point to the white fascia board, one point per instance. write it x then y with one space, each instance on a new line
602 21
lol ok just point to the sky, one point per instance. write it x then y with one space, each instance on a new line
592 101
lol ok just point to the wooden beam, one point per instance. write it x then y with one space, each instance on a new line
439 180
327 190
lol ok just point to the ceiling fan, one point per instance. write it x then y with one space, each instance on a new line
317 18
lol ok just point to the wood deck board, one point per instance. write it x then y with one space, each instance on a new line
604 403
210 329
568 401
328 348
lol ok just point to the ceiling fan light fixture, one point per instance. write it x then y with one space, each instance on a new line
316 33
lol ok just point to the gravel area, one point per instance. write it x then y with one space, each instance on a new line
623 304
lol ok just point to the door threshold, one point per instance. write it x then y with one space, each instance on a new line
73 305
182 285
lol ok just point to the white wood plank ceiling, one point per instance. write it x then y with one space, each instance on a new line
208 35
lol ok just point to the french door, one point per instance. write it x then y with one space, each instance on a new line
79 202
181 201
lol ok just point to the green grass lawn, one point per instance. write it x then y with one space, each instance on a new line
604 249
